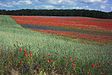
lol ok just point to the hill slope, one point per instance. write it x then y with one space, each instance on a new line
87 52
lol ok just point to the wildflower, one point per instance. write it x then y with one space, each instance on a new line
20 49
31 54
25 51
49 54
93 65
20 62
49 61
25 54
89 72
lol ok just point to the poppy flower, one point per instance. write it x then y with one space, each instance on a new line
93 65
31 54
89 73
49 61
20 62
25 51
25 54
20 49
49 54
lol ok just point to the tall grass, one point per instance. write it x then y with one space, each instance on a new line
48 48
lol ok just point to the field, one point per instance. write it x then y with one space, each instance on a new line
27 48
76 27
72 22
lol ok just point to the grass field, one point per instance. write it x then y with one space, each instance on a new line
51 54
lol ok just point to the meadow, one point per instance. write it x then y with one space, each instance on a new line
27 52
99 30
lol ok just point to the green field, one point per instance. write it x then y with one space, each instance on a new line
13 37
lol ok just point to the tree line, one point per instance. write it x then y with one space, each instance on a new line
56 12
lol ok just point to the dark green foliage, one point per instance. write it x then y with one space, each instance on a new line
56 12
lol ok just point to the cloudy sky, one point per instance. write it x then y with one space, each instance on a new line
103 5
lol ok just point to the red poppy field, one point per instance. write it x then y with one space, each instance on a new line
87 26
78 22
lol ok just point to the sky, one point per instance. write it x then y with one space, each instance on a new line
101 5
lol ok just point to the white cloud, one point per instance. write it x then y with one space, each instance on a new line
95 1
48 7
14 3
57 1
5 4
78 7
48 2
57 4
26 2
45 7
71 1
102 6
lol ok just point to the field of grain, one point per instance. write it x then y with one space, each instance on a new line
30 52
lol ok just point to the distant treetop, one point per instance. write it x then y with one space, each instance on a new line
58 12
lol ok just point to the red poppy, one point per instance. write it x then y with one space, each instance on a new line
25 54
49 61
31 54
93 65
25 51
49 54
20 62
20 49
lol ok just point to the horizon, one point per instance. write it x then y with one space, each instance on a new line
98 5
56 9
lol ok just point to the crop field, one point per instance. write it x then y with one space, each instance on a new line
75 27
42 45
74 22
